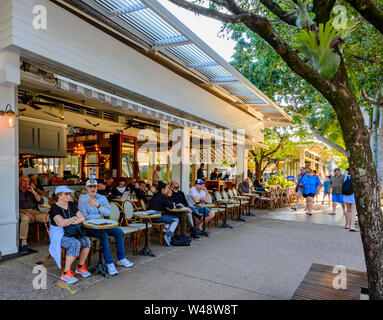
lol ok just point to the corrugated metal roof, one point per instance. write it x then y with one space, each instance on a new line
161 31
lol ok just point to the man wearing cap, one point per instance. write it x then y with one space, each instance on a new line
95 206
198 193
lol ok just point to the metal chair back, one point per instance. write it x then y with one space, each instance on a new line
115 210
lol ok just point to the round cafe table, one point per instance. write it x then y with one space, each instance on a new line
240 198
225 202
204 205
101 225
145 215
249 195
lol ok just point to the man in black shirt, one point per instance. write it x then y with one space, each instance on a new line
200 174
214 174
160 202
141 192
29 200
186 220
104 190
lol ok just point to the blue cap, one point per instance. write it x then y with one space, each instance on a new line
63 189
199 181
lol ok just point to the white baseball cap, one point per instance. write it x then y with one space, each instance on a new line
91 182
63 189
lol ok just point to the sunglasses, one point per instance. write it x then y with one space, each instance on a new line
66 193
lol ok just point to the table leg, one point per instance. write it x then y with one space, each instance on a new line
239 218
101 267
145 250
224 224
250 214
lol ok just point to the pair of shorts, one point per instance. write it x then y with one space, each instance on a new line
312 195
337 197
74 245
198 212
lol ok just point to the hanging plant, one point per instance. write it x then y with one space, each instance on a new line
318 47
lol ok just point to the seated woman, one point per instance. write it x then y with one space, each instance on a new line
119 190
258 186
66 232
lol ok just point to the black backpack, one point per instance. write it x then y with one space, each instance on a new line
179 241
347 189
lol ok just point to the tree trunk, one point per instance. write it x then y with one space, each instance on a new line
364 179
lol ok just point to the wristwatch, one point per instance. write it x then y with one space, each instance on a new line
99 205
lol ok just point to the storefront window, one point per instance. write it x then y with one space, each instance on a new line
91 165
127 157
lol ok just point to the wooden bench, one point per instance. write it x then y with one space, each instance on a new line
318 285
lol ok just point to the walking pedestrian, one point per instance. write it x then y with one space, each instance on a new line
298 189
326 190
310 184
336 186
349 200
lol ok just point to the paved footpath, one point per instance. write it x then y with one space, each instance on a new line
264 258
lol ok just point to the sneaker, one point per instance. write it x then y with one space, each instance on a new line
168 232
195 231
24 249
194 235
125 262
111 269
353 230
332 213
294 208
167 240
68 277
82 271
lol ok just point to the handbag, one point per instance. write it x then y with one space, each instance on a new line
73 230
347 189
297 187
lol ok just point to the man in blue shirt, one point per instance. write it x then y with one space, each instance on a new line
95 206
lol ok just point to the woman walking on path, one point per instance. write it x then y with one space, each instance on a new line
310 184
349 200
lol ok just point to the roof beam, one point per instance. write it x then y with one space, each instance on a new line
170 42
203 65
127 10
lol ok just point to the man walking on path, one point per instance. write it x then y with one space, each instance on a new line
337 196
298 189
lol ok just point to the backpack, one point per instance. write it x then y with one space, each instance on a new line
179 241
347 189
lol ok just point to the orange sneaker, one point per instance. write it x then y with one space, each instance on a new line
83 272
68 277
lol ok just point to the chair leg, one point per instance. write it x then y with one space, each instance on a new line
46 260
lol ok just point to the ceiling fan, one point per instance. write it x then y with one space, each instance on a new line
91 123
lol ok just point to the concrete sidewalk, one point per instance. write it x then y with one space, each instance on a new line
263 258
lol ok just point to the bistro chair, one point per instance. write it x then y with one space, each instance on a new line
157 227
230 207
218 210
244 203
129 208
236 205
115 211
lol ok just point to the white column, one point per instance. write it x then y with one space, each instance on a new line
9 151
242 156
180 157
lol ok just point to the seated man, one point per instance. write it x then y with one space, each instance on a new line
29 200
103 189
178 197
160 202
95 206
198 193
214 174
141 192
244 187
